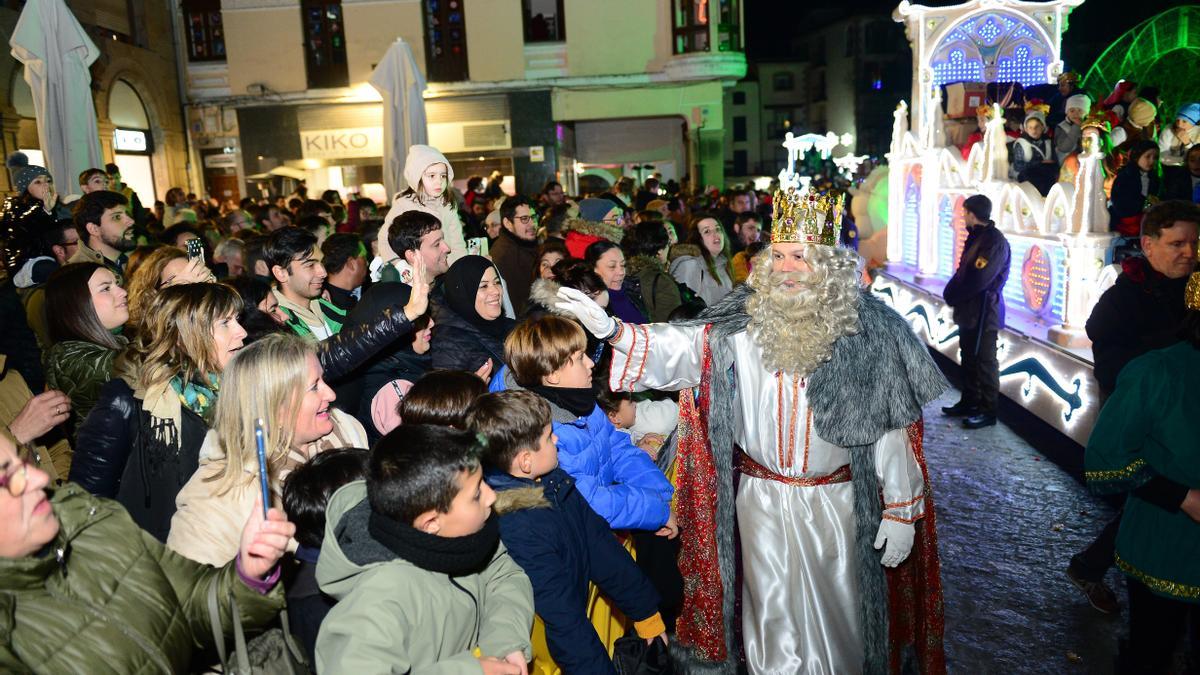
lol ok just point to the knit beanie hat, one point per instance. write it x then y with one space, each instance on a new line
595 209
23 172
979 206
1142 113
1189 112
1081 101
421 157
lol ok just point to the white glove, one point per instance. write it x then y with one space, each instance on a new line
899 538
592 316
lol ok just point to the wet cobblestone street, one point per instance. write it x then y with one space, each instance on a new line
1009 520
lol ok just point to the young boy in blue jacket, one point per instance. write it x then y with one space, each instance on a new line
551 532
619 481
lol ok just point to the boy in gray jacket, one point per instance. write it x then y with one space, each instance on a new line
414 558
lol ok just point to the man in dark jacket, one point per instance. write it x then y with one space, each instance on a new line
552 533
515 251
1143 311
976 293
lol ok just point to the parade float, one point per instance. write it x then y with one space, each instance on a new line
1059 242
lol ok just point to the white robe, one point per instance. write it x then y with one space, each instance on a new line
800 588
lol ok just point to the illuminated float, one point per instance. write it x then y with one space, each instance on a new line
1058 241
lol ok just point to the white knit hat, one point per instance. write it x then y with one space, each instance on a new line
1080 101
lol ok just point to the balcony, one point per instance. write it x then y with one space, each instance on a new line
545 59
729 66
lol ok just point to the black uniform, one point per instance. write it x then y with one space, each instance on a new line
975 292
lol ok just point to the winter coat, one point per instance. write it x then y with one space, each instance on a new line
207 525
976 291
515 259
356 343
1128 198
393 616
617 478
690 269
1141 312
117 601
114 457
660 292
51 453
1181 184
562 545
24 226
79 369
17 341
459 345
421 157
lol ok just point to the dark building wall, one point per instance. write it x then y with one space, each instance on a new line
533 124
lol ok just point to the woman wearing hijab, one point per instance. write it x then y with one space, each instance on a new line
471 325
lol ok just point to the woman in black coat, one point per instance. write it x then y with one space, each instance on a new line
470 324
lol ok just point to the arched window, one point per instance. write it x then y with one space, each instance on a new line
993 47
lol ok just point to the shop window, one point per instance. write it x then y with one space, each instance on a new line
543 21
445 41
783 81
691 24
729 32
325 44
739 98
739 129
205 33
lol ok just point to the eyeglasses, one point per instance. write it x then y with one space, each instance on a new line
17 480
524 220
615 220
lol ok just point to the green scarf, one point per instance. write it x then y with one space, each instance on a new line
197 397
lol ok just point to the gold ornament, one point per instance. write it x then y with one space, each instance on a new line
1191 295
807 217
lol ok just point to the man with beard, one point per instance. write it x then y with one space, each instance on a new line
819 386
105 231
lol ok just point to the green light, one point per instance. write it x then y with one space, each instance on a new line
1163 51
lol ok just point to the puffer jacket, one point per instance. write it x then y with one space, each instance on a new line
689 268
112 599
79 369
24 223
562 544
352 346
618 479
114 458
458 345
393 616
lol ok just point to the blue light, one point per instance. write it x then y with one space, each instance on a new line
1022 67
960 54
877 84
957 68
912 218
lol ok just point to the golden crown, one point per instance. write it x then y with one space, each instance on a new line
807 217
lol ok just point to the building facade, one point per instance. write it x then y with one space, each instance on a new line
539 89
135 88
771 101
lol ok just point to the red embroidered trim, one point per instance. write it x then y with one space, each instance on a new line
791 441
646 357
898 519
628 359
900 505
746 464
779 416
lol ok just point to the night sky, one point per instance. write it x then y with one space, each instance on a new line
1093 26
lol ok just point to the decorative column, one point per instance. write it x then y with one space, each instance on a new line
1085 259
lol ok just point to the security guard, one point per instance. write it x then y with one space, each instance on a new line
976 293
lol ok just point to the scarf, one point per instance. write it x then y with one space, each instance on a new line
580 402
453 556
198 398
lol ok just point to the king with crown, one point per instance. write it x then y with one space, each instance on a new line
807 536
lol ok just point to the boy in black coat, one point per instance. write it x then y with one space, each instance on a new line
552 533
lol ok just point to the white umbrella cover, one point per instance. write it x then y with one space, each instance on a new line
57 52
402 86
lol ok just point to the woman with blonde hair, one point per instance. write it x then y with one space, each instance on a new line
278 379
164 266
141 441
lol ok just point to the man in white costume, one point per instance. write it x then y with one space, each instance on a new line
820 387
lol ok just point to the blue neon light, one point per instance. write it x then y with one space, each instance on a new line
912 204
1007 42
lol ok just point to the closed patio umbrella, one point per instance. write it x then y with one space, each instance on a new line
56 53
402 87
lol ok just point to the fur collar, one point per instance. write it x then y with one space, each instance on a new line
520 499
613 233
683 251
544 292
643 263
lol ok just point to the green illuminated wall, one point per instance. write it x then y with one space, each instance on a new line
1163 51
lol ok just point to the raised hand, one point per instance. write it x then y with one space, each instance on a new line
418 300
264 541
